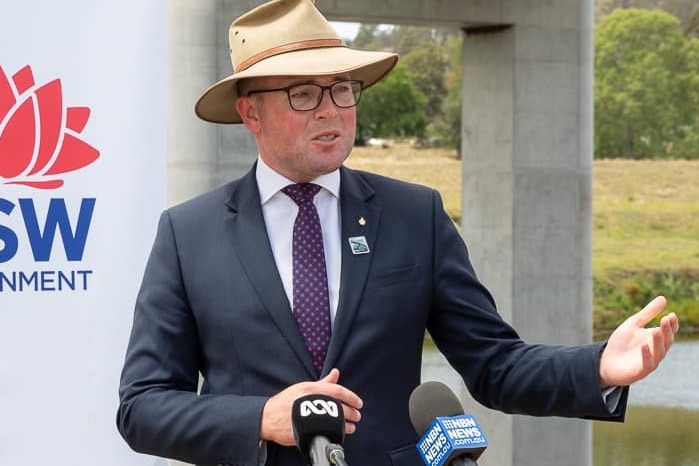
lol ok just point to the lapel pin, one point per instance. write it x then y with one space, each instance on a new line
359 245
362 221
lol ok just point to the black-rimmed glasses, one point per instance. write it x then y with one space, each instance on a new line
305 97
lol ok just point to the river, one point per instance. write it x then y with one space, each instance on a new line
662 420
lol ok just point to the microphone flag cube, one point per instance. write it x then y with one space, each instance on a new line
450 437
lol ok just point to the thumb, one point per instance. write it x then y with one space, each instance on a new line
332 377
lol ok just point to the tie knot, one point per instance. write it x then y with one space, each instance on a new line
302 192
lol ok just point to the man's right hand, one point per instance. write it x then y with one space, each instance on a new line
276 415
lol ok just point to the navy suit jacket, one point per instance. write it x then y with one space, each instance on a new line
212 304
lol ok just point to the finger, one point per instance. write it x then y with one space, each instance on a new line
347 397
350 428
341 393
332 377
648 313
668 332
674 322
648 363
659 349
351 415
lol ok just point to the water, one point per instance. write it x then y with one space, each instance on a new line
675 384
651 436
662 419
662 422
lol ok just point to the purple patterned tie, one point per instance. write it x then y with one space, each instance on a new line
310 282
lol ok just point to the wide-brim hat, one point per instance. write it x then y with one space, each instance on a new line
286 38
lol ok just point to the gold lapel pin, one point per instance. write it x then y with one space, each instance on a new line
362 221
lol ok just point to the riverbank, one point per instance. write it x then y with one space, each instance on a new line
645 226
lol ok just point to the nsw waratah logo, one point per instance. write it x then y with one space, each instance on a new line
39 136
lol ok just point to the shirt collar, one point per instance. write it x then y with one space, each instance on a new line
270 182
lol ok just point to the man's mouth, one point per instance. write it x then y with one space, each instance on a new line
327 137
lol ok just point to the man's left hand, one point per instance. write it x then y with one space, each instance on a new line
634 351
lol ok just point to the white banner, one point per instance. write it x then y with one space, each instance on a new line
82 181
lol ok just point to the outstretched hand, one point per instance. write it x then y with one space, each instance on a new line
634 351
276 414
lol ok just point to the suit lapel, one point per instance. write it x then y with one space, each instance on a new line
360 220
245 226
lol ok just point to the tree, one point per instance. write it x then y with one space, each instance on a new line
448 123
426 66
408 38
691 28
423 57
374 37
645 105
365 36
688 147
681 9
394 107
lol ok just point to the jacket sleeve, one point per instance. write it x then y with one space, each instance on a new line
500 370
160 410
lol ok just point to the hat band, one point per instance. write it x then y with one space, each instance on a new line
302 45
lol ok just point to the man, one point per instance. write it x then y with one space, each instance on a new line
224 297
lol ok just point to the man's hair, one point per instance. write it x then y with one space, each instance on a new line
244 86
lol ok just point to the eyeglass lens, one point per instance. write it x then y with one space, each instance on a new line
308 96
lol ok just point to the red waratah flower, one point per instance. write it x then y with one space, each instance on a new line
38 136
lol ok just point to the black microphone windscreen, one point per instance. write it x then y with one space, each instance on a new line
431 400
317 415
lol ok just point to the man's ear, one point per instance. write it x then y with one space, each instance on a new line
248 111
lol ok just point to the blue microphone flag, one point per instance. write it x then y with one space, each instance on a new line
450 437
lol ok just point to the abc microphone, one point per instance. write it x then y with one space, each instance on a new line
318 424
448 436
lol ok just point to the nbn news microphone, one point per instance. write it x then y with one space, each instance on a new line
448 436
318 423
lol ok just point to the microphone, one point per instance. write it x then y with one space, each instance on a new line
318 423
448 436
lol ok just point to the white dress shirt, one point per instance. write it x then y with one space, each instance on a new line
280 212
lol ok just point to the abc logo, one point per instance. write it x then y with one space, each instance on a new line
319 407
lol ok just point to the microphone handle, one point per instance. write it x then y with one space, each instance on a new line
336 454
317 451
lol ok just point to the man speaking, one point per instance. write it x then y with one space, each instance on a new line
306 277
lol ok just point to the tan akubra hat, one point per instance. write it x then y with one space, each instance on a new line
286 38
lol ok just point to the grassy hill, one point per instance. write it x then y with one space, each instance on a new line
646 214
645 220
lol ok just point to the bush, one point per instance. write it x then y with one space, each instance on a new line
622 293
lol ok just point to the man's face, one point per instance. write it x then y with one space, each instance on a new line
300 145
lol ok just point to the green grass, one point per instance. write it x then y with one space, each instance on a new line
646 215
645 224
